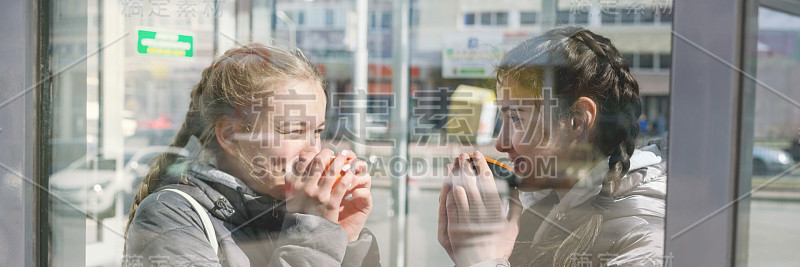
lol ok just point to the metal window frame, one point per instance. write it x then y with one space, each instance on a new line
42 134
21 224
709 100
400 83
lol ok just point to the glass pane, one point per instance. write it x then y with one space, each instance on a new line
665 14
469 19
609 18
501 18
562 16
665 61
386 20
301 17
486 18
74 207
647 17
118 108
581 18
628 17
629 58
453 111
645 61
329 17
774 203
527 18
120 114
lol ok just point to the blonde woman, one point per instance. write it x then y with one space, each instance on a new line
262 192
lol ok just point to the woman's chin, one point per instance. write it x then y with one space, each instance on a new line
527 183
274 187
528 189
279 194
531 183
278 190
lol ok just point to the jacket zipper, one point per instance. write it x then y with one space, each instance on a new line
275 208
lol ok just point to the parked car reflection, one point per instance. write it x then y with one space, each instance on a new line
770 161
138 167
87 184
93 185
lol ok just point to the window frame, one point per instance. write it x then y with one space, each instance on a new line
533 14
702 206
691 138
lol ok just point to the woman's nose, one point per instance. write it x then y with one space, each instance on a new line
313 148
315 144
308 154
503 144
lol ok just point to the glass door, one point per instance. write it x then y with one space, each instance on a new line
768 232
431 63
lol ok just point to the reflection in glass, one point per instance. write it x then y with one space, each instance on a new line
774 207
137 100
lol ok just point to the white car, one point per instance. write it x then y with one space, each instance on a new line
769 161
139 166
92 184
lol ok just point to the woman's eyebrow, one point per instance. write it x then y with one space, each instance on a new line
297 122
507 108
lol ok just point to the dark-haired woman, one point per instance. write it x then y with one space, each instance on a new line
588 196
262 192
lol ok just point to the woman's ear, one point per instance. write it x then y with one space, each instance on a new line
225 132
584 114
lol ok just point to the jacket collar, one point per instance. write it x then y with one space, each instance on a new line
589 185
225 196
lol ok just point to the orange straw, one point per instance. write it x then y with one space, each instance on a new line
338 177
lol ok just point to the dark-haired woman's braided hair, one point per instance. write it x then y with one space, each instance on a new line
584 64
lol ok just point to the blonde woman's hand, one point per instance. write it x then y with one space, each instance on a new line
473 227
357 203
310 188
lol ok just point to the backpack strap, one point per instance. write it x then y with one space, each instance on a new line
208 227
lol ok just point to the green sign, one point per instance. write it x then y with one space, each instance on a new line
163 43
472 71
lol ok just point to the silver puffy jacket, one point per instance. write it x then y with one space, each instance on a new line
632 233
252 229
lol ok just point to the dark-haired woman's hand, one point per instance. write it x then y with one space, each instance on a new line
473 227
310 189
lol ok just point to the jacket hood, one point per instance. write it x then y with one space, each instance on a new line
646 178
223 195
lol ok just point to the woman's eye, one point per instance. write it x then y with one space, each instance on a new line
318 131
296 132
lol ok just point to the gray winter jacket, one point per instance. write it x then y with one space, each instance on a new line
252 229
632 233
